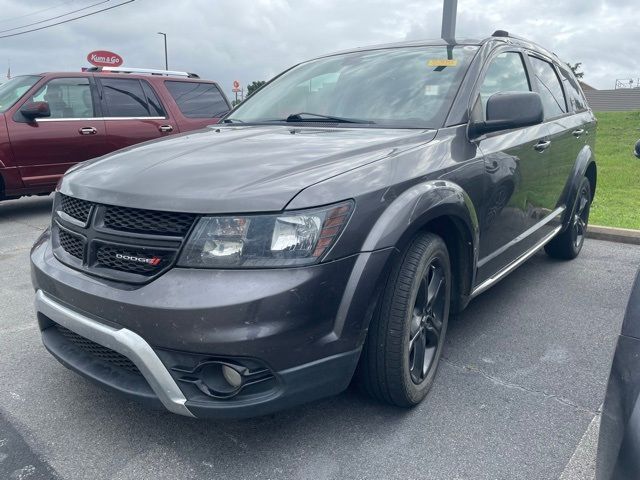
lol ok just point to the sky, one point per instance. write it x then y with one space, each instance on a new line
248 40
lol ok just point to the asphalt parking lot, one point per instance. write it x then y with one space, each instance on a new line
517 396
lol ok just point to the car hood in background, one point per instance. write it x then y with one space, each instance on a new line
228 169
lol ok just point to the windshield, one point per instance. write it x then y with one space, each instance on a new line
11 91
398 87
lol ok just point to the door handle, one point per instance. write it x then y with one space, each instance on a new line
542 145
577 133
165 128
88 131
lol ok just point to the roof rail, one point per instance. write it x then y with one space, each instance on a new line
148 71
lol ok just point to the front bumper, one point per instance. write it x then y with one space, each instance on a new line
305 325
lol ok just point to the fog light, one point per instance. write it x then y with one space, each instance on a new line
232 376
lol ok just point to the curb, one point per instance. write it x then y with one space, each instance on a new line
620 235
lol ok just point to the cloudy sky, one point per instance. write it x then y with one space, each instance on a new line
255 39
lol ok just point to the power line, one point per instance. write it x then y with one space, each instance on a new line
5 20
54 18
67 20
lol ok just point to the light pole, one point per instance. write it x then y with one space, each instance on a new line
166 58
449 13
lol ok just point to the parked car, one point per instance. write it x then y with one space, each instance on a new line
329 224
51 121
619 443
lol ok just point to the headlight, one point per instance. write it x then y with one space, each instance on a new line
254 241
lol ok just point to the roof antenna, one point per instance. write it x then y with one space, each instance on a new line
449 13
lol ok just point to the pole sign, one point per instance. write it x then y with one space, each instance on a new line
236 86
104 58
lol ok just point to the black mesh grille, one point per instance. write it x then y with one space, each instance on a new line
76 208
114 257
147 221
72 244
98 351
110 245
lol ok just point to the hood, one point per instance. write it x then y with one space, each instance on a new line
233 169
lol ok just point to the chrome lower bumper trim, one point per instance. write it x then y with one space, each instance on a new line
123 341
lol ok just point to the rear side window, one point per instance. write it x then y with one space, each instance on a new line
124 97
198 100
506 73
574 92
549 87
67 97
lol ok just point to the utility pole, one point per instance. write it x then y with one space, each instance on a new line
166 58
449 14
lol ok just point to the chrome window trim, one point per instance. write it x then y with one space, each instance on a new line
123 341
89 119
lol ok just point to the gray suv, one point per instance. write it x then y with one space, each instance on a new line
325 231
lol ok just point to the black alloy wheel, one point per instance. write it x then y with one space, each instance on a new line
568 244
426 322
406 336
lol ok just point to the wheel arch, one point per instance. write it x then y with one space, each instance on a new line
592 175
443 208
584 166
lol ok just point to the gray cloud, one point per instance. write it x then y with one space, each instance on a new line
255 39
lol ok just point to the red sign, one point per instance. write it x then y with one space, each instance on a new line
236 84
104 58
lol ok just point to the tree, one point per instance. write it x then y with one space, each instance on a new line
253 86
576 69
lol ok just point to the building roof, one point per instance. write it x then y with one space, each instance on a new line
622 99
586 86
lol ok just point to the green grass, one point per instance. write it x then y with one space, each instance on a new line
617 202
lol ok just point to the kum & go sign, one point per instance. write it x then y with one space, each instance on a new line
104 58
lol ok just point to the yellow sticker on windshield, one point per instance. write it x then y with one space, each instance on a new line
442 62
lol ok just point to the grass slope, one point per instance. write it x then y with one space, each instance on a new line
617 202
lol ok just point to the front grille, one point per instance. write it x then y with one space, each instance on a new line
72 244
96 350
76 208
124 244
109 256
147 221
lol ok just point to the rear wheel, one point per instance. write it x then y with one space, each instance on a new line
406 336
568 244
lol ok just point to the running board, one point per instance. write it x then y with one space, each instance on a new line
489 282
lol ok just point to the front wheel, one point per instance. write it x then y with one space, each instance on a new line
568 244
406 336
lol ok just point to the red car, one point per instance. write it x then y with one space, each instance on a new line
51 121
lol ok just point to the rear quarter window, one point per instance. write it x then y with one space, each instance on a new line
198 99
574 92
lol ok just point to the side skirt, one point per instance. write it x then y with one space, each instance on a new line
492 280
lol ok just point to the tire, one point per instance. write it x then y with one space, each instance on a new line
567 245
409 324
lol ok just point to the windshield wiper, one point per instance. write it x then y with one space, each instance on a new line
303 117
232 120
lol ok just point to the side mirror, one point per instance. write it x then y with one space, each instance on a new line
637 149
507 110
33 110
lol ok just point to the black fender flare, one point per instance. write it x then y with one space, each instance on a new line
405 216
416 207
584 160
